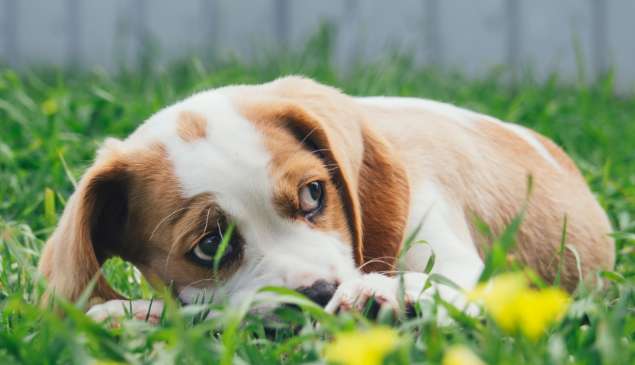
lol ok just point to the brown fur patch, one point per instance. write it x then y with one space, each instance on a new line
191 126
484 171
557 194
558 154
129 204
384 195
292 166
372 183
341 148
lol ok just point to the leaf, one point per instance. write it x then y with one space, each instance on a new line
497 257
49 207
223 245
67 170
613 276
563 239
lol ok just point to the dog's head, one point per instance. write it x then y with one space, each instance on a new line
291 168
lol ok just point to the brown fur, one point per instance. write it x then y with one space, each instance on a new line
129 203
490 182
159 228
292 167
555 194
372 182
191 126
384 200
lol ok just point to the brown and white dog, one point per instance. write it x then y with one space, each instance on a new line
322 188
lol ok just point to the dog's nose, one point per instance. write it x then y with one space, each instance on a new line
320 292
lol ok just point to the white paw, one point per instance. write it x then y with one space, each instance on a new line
354 294
386 291
143 310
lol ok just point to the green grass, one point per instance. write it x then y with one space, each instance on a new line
51 122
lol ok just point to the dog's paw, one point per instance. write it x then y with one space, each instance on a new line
354 294
144 310
386 291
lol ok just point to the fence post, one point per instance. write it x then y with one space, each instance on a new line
599 37
513 37
210 19
10 30
347 36
73 33
140 32
432 32
281 22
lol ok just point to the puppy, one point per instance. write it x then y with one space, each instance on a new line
320 190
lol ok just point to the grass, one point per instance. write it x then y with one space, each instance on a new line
52 121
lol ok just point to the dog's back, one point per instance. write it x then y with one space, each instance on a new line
483 167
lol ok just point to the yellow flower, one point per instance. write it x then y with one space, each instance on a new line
49 106
515 306
499 297
540 309
361 348
461 355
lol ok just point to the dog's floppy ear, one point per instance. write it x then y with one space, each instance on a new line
91 229
372 181
384 196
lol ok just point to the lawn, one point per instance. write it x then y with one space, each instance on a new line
52 121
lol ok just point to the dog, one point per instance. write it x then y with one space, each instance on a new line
320 190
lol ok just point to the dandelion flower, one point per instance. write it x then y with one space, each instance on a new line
499 297
539 309
461 355
516 307
361 348
49 107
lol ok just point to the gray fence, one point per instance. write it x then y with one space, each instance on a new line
567 36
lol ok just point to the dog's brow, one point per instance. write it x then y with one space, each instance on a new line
177 213
165 219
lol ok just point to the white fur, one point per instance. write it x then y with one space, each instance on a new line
524 133
442 231
117 309
355 293
466 118
232 163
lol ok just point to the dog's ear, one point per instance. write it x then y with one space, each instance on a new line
91 230
384 196
372 181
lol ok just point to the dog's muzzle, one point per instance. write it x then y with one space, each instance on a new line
320 291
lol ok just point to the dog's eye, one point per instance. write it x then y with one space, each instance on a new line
311 196
206 249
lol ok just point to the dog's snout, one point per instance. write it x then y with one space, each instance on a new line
320 292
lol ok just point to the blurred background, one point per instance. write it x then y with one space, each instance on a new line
577 39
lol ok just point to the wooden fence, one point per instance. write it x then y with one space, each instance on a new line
571 37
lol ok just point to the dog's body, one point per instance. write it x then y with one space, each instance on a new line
320 187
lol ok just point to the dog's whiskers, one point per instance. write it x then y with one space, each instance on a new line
381 260
169 256
321 150
200 281
164 220
207 220
307 136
